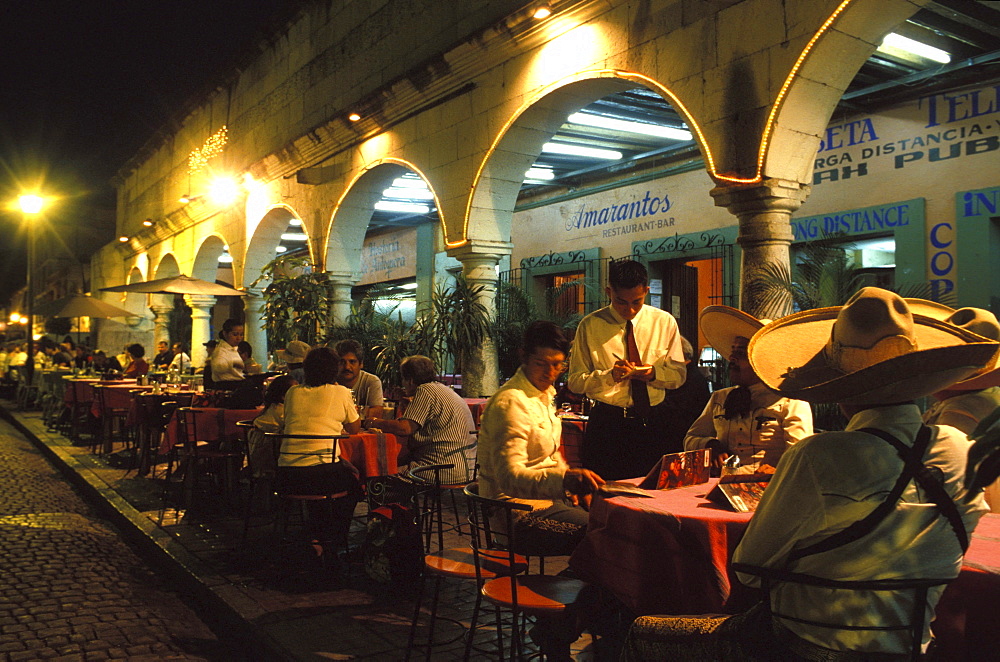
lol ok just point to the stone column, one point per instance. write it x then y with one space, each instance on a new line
161 306
253 329
481 374
765 234
201 325
340 297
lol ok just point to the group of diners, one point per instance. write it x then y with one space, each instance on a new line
877 357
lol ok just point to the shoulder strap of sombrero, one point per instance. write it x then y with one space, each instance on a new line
913 468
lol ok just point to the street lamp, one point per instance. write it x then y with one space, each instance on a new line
31 206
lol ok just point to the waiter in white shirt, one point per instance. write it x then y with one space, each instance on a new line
624 357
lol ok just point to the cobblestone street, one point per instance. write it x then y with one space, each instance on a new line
70 588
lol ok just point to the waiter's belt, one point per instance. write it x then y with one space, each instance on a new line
624 412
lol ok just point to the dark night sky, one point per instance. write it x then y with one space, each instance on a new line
85 83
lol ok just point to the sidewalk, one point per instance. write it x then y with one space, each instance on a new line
293 609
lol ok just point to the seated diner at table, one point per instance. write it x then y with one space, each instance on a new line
366 388
519 457
163 356
272 419
747 419
293 355
138 366
437 422
845 505
320 406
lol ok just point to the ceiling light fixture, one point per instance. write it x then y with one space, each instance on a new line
407 193
123 239
539 173
354 117
542 11
293 236
582 150
628 126
894 44
392 205
148 223
186 198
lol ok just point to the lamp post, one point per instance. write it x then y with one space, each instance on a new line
31 207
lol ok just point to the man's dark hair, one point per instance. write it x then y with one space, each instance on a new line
627 274
350 346
544 334
418 369
136 350
321 366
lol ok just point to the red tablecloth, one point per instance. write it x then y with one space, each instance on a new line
476 406
213 423
670 555
115 395
373 454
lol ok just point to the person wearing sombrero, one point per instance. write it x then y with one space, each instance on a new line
748 419
963 404
821 516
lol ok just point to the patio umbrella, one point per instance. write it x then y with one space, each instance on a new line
177 285
80 305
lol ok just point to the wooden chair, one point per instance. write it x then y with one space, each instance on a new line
523 595
456 562
114 413
286 498
913 625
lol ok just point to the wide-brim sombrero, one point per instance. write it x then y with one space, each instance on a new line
721 325
790 357
976 320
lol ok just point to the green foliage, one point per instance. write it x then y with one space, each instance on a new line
824 275
515 311
459 323
296 302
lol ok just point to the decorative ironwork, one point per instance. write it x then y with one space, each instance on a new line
679 244
553 259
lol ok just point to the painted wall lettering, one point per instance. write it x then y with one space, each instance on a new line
647 206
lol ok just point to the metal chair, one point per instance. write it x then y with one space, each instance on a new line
523 595
913 625
287 497
196 453
455 562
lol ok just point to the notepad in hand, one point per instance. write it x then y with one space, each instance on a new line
616 488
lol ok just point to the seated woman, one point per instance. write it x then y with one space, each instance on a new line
226 364
519 454
138 367
320 406
245 350
747 420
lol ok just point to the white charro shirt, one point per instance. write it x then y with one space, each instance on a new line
773 425
963 412
600 341
519 441
832 479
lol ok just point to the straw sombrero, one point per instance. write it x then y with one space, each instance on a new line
295 352
977 320
873 350
721 325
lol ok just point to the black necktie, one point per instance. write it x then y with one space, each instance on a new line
640 396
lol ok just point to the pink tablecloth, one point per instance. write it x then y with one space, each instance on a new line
572 440
476 406
115 396
670 555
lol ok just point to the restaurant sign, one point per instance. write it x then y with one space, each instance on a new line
639 214
865 220
389 256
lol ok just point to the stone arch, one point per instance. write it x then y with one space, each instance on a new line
826 65
495 187
206 260
166 267
264 242
353 212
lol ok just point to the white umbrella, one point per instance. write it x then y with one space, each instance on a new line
177 285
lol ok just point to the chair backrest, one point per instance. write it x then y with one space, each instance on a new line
493 530
329 452
914 625
427 481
